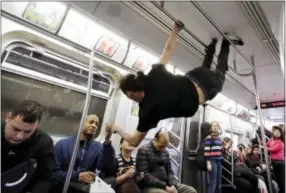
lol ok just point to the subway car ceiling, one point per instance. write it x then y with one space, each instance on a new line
62 36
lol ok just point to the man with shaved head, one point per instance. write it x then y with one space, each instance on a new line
90 156
153 160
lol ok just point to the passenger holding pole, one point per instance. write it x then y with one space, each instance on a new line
162 95
213 156
276 151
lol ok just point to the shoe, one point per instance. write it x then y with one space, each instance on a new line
211 47
236 40
214 41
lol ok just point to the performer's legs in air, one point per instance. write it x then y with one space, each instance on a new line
211 82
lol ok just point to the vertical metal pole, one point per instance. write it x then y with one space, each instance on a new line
262 128
282 38
232 161
84 113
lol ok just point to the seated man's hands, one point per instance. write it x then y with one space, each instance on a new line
86 177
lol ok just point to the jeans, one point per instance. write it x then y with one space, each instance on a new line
211 82
214 177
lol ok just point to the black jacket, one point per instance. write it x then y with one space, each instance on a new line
40 147
156 166
253 162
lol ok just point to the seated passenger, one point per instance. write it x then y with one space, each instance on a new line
244 179
26 149
255 163
89 157
154 162
248 149
121 172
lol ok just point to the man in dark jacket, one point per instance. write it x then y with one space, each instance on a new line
26 151
154 161
89 157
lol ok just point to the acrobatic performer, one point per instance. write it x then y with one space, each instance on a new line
162 95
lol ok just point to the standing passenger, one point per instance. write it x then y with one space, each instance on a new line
276 150
213 155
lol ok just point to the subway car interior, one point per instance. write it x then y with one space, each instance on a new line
70 56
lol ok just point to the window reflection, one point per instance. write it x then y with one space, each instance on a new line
62 107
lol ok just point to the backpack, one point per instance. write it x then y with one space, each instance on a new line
200 159
17 178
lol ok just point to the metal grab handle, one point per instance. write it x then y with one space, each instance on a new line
282 39
232 161
84 113
174 20
234 70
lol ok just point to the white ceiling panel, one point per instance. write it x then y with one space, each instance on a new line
134 23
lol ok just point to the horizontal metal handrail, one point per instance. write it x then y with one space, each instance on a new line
231 78
196 5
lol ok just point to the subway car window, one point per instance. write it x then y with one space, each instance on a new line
62 107
54 67
177 126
